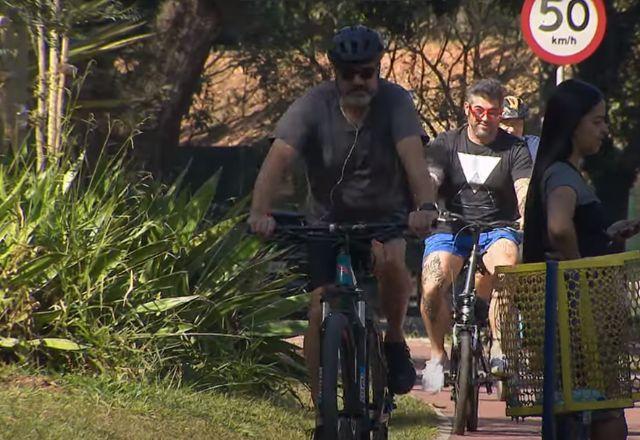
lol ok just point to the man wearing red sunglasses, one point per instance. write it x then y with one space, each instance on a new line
483 174
360 139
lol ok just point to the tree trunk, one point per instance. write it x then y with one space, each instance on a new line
185 30
14 82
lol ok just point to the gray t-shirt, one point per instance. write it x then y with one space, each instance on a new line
353 173
562 174
533 142
589 219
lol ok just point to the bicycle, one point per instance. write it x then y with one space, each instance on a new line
471 333
352 359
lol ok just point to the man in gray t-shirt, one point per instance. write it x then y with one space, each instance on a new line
360 139
353 167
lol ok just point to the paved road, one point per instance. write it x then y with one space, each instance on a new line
493 423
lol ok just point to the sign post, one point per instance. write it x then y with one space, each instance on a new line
563 32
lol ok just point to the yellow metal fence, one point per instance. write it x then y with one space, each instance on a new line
598 331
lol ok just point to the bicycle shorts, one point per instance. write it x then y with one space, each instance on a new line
322 259
461 244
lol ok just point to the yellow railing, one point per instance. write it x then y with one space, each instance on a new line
598 331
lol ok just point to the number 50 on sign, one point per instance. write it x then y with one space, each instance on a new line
563 31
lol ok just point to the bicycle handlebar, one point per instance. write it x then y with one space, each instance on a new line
338 228
334 231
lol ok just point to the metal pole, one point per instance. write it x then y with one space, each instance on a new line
559 74
549 381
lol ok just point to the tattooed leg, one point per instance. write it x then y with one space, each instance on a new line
438 271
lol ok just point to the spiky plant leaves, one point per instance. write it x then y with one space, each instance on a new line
138 277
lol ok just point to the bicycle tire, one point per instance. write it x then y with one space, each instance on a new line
463 383
338 345
378 387
472 406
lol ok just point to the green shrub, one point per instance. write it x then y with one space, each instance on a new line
108 271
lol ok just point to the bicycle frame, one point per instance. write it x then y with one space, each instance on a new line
464 302
345 278
468 295
347 329
350 300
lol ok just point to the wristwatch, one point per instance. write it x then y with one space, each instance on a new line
428 206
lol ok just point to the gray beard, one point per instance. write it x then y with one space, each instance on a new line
359 99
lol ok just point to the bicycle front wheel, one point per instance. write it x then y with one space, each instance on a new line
338 398
379 394
464 392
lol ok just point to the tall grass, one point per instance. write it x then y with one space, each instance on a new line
108 271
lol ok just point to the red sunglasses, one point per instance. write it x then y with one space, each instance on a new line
481 112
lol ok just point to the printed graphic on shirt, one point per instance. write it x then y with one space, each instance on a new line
477 169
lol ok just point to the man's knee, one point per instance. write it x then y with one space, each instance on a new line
438 269
389 258
503 252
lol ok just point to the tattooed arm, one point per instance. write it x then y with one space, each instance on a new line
521 186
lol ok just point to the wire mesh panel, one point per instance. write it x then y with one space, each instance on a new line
594 333
632 273
520 308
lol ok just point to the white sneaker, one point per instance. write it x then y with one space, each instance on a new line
433 376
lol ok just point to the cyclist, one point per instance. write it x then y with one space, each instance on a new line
564 218
483 174
360 139
514 112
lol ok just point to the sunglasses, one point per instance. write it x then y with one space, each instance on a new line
481 112
349 73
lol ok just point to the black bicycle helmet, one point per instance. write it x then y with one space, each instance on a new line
514 108
356 44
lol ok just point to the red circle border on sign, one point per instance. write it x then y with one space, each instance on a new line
559 59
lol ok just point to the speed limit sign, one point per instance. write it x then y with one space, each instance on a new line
563 31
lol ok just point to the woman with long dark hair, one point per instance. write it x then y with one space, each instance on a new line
564 219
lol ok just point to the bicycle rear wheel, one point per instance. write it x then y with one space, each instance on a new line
338 373
464 384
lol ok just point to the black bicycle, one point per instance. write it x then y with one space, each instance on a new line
471 333
354 401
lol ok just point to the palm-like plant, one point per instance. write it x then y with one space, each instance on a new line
102 273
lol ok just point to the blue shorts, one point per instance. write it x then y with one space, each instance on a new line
461 244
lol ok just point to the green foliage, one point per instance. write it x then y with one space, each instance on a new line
105 270
51 407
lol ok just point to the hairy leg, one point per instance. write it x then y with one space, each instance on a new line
439 269
503 252
312 340
394 284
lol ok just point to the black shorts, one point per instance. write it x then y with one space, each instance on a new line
322 257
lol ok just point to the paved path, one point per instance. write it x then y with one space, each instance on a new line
493 423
